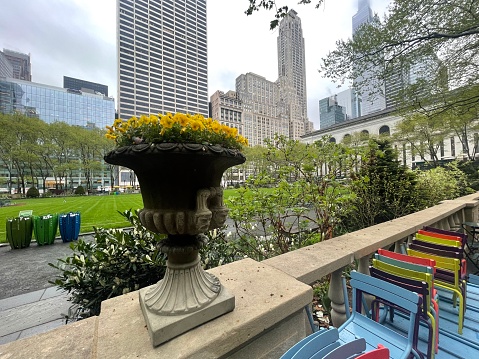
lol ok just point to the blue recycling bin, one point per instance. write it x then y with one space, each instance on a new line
69 225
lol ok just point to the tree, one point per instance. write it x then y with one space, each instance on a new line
384 189
281 11
411 33
423 134
295 201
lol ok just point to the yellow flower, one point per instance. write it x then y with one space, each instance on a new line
144 120
195 125
216 127
153 119
182 119
174 128
167 122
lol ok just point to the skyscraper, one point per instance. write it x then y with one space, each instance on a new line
6 68
86 86
292 102
349 100
227 109
330 112
260 114
162 54
364 14
22 68
372 100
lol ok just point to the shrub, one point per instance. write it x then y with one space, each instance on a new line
442 183
80 190
115 263
33 192
218 249
383 188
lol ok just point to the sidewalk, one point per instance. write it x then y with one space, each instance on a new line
29 304
32 313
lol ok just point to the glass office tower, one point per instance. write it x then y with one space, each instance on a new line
52 104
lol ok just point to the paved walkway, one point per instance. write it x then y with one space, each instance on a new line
29 304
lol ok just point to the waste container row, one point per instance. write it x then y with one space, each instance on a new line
21 229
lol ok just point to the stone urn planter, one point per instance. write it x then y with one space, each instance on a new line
182 197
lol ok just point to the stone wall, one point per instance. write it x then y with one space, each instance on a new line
269 316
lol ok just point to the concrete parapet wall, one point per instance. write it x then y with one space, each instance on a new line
270 296
269 318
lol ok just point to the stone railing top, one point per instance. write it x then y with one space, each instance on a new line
312 263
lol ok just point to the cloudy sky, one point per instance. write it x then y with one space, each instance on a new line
77 38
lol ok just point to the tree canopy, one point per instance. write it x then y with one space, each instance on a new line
411 33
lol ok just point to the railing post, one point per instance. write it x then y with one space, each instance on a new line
397 245
363 267
335 293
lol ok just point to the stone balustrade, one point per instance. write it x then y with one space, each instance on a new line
269 316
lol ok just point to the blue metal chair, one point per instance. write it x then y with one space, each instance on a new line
360 326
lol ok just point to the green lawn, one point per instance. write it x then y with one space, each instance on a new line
98 211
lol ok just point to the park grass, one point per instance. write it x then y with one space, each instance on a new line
95 211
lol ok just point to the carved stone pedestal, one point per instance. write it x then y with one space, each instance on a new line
187 296
163 328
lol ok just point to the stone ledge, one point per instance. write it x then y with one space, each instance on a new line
74 341
264 297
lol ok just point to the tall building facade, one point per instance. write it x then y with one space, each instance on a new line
371 99
22 68
429 70
260 112
85 86
330 112
6 68
162 57
349 100
227 108
363 16
292 101
51 104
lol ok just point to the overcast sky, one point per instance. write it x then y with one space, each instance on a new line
77 38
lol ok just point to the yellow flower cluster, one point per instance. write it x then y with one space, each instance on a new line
174 128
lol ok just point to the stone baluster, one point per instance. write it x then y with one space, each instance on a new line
398 244
335 293
363 267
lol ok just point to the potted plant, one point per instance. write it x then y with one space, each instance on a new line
179 161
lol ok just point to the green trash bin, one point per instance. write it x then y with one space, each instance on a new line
45 228
19 232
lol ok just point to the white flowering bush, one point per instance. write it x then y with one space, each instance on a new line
218 249
115 263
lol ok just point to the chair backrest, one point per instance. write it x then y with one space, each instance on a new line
410 274
436 249
320 342
413 285
443 231
403 298
405 265
450 264
442 236
348 350
405 258
380 353
439 241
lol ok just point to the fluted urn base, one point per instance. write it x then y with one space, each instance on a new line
187 296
